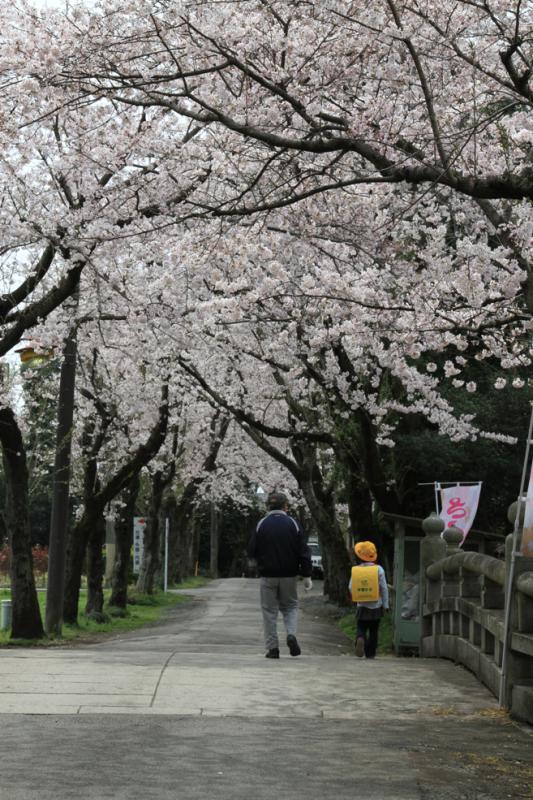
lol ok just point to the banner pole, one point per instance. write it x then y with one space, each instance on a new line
437 488
450 483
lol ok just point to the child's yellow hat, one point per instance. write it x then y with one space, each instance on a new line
366 551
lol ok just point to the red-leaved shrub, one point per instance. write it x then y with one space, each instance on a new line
39 555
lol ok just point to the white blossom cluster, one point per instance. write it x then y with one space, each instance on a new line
275 209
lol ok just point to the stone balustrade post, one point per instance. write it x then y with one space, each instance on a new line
511 518
432 549
521 614
453 538
522 608
451 583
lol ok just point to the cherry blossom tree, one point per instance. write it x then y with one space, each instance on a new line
70 190
318 98
338 194
327 103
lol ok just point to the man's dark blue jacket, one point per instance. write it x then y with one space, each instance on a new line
279 547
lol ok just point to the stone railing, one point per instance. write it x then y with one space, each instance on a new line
462 613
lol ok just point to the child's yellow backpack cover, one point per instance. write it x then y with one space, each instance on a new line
365 584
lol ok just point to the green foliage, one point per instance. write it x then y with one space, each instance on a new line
422 455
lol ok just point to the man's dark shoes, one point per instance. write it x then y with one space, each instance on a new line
294 647
273 653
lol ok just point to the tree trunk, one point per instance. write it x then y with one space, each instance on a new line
181 556
335 558
362 523
26 622
359 502
159 579
88 526
370 465
77 546
194 545
123 543
61 483
93 509
95 568
214 534
321 503
360 495
151 563
186 539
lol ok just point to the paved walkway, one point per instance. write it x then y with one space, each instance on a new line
191 708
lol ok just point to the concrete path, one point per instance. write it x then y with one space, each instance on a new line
191 708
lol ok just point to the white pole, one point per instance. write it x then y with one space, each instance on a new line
166 553
437 489
510 578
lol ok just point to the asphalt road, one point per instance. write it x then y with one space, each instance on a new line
191 709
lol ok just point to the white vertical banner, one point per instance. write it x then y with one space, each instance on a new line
459 506
139 524
526 547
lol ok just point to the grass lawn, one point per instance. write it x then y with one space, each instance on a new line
143 610
347 626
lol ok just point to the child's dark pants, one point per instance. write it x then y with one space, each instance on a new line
368 630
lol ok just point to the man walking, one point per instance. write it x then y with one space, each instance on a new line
280 549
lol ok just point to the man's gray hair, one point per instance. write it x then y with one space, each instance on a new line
277 501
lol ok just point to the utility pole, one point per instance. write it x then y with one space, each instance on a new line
61 483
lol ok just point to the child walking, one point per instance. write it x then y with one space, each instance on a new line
370 594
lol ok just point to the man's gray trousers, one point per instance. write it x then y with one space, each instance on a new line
279 594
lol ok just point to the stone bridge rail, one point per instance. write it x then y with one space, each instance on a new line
462 614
